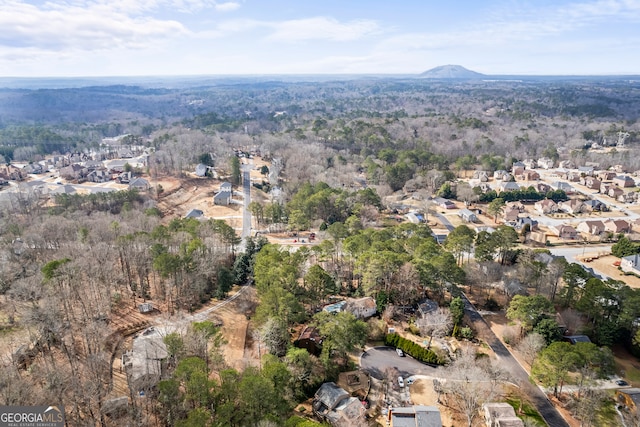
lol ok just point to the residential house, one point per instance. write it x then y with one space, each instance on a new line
417 415
310 340
222 198
139 184
606 175
226 186
567 164
517 169
542 187
624 181
361 308
546 206
614 192
99 175
618 168
563 231
572 206
500 174
510 214
592 227
586 170
125 177
571 176
201 169
530 163
564 186
528 175
73 172
34 168
538 237
468 215
145 362
521 222
12 173
617 226
498 414
629 398
444 203
630 264
334 405
116 166
594 205
591 182
545 163
508 186
482 176
195 214
630 197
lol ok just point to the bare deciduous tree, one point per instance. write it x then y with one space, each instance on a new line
531 345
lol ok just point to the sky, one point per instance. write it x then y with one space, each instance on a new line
73 38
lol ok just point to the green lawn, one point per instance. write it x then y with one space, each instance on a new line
529 413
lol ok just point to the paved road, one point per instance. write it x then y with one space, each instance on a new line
377 359
444 221
511 365
246 189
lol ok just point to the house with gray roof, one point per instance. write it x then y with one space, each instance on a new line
415 416
336 406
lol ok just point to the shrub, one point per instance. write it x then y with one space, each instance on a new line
412 349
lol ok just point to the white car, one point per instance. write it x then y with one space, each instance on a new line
401 382
400 352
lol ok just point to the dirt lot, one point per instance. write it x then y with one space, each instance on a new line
605 265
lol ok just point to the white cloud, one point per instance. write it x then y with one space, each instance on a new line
227 7
321 28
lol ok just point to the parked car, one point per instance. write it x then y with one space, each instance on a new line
401 382
400 352
621 383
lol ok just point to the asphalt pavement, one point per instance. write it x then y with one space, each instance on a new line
519 376
377 359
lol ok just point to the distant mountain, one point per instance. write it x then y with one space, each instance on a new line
450 72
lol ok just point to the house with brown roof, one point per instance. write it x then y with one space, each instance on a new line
511 214
594 227
613 191
572 206
310 340
546 206
566 232
528 175
617 226
606 175
591 182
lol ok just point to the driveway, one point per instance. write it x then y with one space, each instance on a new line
376 360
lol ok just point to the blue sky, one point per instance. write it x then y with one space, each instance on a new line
201 37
